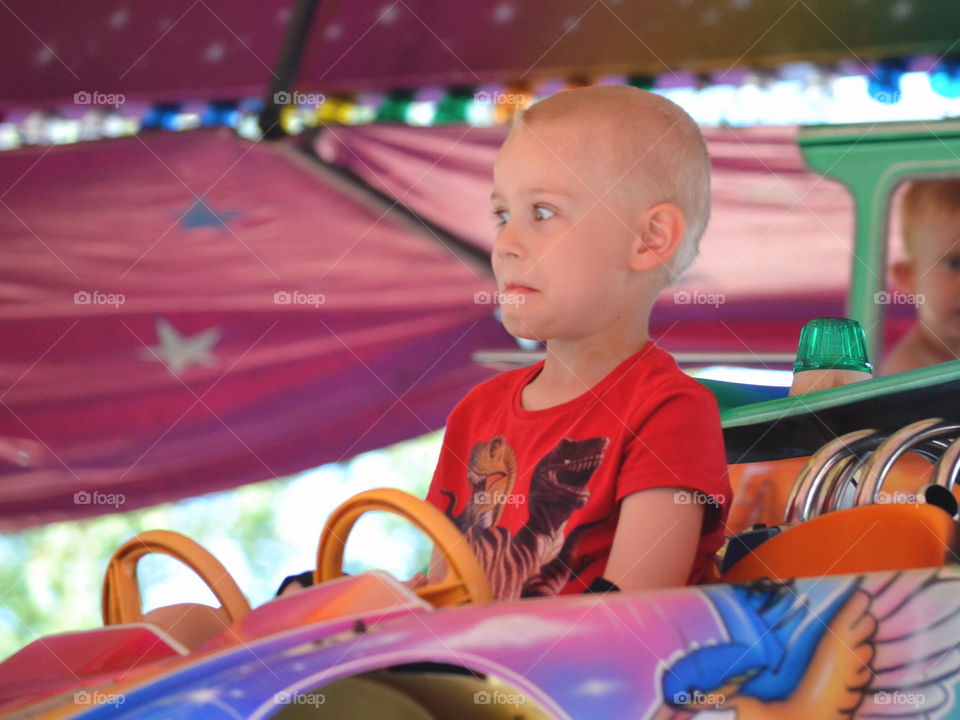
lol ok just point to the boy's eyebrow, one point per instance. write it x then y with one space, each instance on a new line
532 191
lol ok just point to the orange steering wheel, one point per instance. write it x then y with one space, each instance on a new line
464 582
121 591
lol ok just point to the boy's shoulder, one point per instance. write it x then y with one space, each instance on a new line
661 377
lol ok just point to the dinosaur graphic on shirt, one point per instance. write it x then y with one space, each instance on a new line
492 473
538 559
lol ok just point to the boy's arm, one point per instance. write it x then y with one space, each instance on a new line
656 540
437 567
434 573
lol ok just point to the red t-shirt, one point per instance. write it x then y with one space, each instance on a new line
537 493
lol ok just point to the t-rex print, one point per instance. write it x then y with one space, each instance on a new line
492 472
565 566
538 553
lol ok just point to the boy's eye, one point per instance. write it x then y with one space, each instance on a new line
953 263
539 210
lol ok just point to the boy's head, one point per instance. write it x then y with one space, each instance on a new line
601 194
930 216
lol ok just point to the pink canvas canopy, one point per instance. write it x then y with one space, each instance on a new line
186 313
183 49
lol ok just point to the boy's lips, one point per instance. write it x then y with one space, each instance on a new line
514 288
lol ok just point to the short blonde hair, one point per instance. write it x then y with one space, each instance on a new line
923 201
676 171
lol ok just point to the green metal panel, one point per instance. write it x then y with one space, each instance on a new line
797 426
870 160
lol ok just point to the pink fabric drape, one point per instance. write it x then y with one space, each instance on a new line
182 313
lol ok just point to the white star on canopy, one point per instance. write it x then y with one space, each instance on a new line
178 352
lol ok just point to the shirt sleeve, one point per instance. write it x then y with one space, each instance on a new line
451 471
678 442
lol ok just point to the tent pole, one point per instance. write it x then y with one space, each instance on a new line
287 66
359 190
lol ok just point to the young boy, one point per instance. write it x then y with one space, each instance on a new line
601 467
930 215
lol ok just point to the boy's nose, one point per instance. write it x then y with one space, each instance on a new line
507 242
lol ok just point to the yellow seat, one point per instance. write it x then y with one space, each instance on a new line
866 538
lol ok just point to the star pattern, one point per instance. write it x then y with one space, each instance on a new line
200 214
180 352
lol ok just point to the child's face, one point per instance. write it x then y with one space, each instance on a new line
934 276
556 237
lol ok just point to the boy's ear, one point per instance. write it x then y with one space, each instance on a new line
904 276
660 230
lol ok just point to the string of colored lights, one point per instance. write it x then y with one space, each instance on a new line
801 93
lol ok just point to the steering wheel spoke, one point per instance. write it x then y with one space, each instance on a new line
465 581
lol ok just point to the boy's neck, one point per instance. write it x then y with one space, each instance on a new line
574 365
934 348
919 348
578 365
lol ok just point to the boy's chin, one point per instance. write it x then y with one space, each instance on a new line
520 330
525 335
